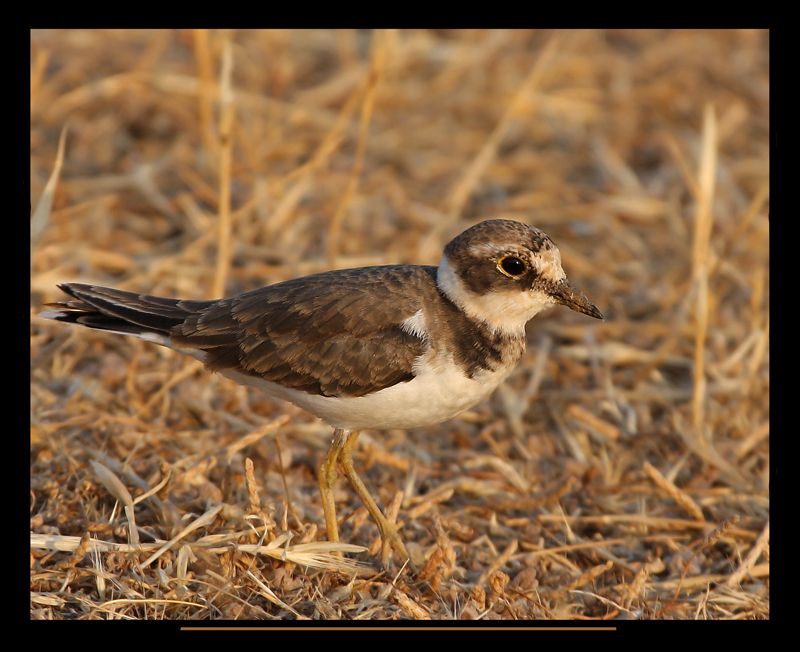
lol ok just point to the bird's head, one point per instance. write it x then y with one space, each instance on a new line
504 272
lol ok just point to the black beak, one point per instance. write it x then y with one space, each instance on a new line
568 296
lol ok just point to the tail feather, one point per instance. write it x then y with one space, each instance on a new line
120 311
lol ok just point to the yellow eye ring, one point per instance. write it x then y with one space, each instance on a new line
512 266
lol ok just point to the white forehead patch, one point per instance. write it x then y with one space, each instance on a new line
548 264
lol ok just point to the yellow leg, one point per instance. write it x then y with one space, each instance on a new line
388 531
327 478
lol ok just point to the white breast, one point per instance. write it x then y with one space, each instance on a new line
439 392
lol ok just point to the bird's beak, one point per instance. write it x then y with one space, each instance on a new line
568 296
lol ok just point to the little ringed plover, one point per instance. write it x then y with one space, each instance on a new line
393 346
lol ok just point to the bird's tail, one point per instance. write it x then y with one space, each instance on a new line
123 312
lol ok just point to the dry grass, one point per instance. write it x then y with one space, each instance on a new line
621 472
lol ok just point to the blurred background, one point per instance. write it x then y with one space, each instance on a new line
622 470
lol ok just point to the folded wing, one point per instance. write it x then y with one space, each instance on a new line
324 334
334 334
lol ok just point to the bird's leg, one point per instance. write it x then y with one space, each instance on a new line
327 478
389 534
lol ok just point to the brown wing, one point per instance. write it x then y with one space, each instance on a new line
334 334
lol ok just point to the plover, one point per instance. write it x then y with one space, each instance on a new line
393 346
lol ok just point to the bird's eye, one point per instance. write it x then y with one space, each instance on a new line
511 266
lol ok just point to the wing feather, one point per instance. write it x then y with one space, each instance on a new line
335 334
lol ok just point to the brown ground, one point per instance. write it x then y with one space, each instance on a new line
621 472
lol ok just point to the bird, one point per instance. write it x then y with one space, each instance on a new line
383 347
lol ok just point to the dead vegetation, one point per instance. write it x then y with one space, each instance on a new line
621 473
